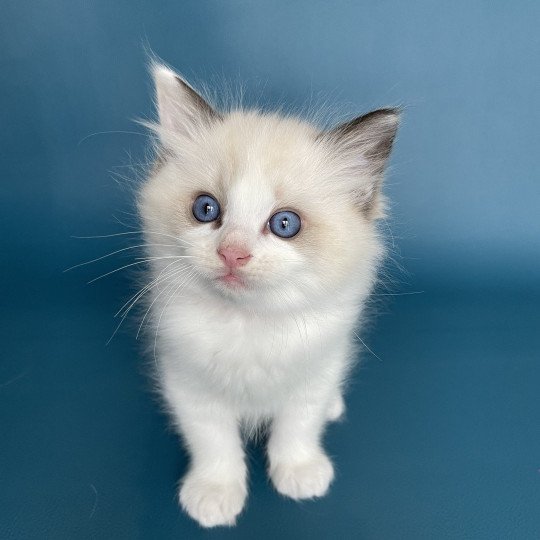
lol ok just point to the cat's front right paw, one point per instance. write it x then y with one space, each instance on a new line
212 503
303 479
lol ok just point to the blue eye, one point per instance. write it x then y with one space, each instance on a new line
206 208
285 224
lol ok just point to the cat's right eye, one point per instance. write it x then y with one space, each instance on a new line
205 209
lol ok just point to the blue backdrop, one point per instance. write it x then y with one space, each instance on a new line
442 438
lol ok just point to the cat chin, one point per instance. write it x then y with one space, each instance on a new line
238 290
232 286
232 281
260 298
235 284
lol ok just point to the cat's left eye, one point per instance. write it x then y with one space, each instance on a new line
285 224
206 208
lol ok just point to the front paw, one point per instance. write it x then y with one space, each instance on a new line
212 502
303 479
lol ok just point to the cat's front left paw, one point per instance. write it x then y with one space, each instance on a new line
304 479
212 503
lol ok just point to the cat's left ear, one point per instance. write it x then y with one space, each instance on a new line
181 110
365 143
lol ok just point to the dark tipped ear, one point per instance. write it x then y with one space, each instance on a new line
372 135
365 144
180 108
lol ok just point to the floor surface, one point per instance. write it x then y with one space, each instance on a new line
441 438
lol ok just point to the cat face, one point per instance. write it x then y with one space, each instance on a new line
265 210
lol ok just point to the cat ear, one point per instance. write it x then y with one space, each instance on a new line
366 142
181 110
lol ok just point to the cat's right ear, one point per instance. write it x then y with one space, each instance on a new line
181 110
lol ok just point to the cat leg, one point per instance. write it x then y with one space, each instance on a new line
213 491
299 467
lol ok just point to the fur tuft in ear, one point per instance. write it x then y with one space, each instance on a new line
372 134
366 143
181 110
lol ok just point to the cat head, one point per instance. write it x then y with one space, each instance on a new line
263 209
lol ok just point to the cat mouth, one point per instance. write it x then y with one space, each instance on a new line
231 280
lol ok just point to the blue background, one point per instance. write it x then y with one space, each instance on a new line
442 436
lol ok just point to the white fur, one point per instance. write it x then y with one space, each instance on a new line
276 351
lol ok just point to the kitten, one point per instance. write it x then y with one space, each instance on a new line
262 233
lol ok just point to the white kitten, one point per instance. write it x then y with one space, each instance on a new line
261 229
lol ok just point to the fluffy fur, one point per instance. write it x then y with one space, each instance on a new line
274 347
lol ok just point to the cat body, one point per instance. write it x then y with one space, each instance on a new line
261 231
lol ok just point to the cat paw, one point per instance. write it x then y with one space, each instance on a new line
211 503
336 409
305 479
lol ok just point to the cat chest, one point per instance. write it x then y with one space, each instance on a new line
250 356
235 341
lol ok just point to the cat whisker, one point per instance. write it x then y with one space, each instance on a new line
168 287
367 348
182 284
163 275
138 297
115 252
141 260
398 294
126 234
167 257
134 298
109 133
149 231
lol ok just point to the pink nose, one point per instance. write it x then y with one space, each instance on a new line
234 256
